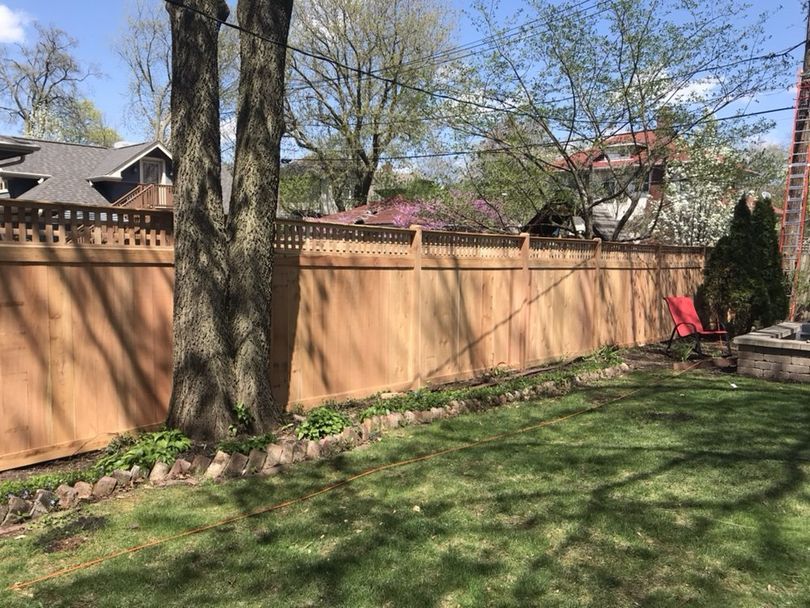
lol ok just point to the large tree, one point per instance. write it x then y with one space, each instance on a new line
223 272
145 46
201 401
576 77
335 110
39 83
254 199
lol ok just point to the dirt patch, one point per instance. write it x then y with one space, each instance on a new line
67 536
80 462
65 544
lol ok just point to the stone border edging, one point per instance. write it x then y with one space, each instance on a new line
277 457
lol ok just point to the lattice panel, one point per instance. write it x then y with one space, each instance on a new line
466 245
28 223
561 249
315 237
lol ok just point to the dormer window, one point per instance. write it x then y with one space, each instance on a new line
153 171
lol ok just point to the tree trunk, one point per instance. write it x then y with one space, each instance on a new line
362 186
259 128
201 404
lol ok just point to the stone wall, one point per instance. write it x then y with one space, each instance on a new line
771 353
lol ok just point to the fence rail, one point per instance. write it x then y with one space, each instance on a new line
86 312
59 224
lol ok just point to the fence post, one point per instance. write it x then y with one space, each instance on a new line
417 373
599 287
525 244
659 294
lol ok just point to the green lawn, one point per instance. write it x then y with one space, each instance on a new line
688 493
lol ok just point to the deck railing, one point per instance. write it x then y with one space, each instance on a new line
148 196
38 223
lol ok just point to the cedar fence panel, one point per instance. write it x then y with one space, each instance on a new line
86 303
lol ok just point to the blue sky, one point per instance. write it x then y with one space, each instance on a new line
95 23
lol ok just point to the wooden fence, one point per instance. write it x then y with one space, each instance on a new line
85 322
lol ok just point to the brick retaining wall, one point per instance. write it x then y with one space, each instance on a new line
768 355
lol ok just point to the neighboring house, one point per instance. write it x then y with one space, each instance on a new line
395 212
304 191
619 152
138 175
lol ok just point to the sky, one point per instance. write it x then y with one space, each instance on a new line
95 24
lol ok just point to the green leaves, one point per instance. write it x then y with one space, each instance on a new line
321 422
160 446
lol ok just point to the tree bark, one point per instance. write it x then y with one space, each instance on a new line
362 186
259 128
201 401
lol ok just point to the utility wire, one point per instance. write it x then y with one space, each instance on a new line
418 89
489 42
451 153
305 53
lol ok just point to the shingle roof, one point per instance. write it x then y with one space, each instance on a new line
66 189
67 168
118 157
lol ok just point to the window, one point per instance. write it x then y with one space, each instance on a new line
152 171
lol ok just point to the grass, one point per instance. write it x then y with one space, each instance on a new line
687 493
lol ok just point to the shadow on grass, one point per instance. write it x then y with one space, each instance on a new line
611 508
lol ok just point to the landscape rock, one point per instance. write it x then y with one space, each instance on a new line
366 429
11 519
395 419
410 417
104 486
218 465
286 453
83 489
3 512
199 465
137 474
255 461
624 367
236 465
313 451
327 445
390 395
299 451
46 499
270 468
159 472
68 497
124 478
18 506
180 468
350 436
274 455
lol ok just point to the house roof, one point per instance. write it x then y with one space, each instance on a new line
393 211
117 159
595 157
64 168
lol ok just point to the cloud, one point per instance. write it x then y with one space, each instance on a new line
11 25
695 90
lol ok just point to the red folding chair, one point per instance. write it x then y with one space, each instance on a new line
687 322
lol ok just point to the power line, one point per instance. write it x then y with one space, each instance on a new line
359 71
451 153
418 89
441 57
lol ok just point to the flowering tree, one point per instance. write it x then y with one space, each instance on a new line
697 212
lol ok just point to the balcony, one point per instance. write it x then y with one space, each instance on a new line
147 196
